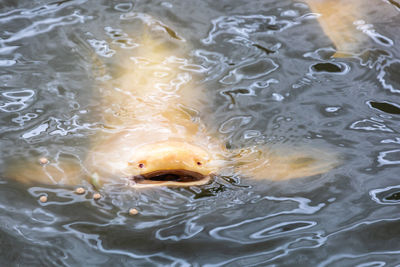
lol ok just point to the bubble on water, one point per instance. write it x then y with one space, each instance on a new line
16 100
123 7
21 119
332 109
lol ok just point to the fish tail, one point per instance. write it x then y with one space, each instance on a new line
338 20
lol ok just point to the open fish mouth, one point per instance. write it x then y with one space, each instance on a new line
174 177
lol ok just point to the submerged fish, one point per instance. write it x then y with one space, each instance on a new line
346 22
154 137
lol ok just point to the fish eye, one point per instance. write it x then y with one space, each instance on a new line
199 163
141 165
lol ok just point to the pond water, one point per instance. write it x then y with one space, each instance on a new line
268 71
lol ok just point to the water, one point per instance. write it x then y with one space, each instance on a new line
270 78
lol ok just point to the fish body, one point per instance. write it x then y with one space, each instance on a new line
347 23
153 135
154 138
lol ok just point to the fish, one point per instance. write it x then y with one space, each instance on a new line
337 20
153 134
346 23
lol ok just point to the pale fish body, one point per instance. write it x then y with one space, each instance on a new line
155 140
346 22
153 136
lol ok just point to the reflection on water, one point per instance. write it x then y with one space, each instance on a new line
271 80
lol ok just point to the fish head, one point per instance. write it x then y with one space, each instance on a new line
172 163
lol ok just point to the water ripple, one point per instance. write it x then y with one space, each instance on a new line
363 260
36 131
61 127
38 11
16 100
389 195
44 26
390 157
279 228
233 124
213 63
179 231
253 70
337 68
120 38
101 47
372 124
244 25
313 240
269 68
369 30
388 76
249 225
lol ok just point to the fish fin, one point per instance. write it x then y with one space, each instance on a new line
337 19
31 172
263 163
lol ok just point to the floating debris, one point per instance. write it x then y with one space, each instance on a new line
80 190
96 196
43 160
133 211
43 199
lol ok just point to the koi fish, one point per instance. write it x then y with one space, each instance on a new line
152 138
345 22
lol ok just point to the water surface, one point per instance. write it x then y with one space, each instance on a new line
267 69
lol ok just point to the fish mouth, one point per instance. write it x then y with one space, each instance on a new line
171 177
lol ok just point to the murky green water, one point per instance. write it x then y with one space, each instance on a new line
266 66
